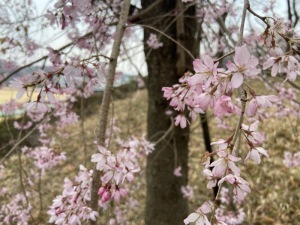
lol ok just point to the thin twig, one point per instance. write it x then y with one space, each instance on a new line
262 18
167 36
224 56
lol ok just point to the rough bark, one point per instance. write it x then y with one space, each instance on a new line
165 204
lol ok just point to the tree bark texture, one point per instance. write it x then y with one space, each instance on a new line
165 204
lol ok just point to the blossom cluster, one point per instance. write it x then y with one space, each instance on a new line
291 159
213 87
71 207
116 169
223 212
44 157
16 210
281 62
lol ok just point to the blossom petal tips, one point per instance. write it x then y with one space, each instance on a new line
191 218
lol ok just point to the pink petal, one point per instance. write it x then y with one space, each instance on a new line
198 65
205 207
275 69
268 63
20 93
254 126
231 66
262 151
107 177
237 80
242 55
208 61
191 218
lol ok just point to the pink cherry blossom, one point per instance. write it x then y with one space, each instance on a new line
244 65
263 101
224 163
71 207
204 69
177 171
36 110
275 63
254 136
292 67
240 186
100 158
187 192
222 144
181 119
25 126
212 178
254 154
153 42
224 107
117 193
291 159
18 84
199 216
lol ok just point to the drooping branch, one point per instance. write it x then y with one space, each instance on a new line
104 110
40 59
130 18
172 39
242 92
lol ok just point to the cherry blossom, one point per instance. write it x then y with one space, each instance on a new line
224 106
153 42
254 154
71 207
187 192
225 214
44 157
254 136
18 84
25 126
15 210
244 65
200 215
263 101
36 110
212 178
291 159
177 171
204 69
181 119
240 186
224 163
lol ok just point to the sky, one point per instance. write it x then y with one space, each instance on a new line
56 38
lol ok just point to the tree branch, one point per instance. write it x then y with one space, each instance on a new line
104 110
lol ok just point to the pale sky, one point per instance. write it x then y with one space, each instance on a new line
58 39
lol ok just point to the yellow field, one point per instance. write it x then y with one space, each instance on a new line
6 94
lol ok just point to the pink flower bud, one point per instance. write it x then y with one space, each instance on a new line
105 196
101 191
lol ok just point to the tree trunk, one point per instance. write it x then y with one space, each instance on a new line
165 204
